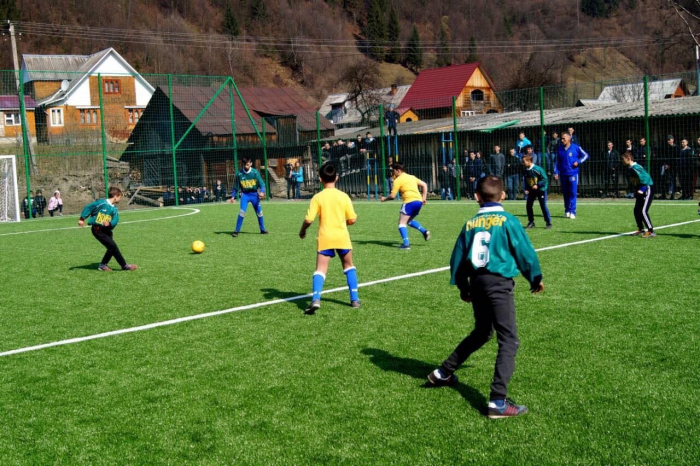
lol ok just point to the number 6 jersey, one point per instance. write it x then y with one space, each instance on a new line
496 242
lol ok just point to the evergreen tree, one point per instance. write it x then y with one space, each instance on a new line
9 10
508 25
599 8
230 26
414 51
444 58
472 56
393 36
375 30
258 10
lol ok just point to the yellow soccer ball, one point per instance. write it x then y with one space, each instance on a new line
197 247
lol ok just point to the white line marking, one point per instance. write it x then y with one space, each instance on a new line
194 211
180 320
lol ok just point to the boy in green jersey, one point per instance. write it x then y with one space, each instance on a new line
643 194
489 252
536 185
103 216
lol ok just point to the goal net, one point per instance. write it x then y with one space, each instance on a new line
9 199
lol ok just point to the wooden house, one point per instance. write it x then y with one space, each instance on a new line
431 94
203 132
67 93
11 127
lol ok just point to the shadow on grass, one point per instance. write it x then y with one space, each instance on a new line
86 267
229 232
420 370
388 244
300 302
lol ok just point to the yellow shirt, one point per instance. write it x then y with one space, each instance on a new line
334 209
408 185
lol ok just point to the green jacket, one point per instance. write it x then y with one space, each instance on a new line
639 178
494 240
99 212
535 176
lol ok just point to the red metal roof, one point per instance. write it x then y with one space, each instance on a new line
260 102
435 88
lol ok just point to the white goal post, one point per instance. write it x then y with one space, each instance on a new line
9 196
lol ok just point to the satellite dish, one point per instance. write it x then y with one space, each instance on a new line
64 85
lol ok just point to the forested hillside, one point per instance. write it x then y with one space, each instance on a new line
310 43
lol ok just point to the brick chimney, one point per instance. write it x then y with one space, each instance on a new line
394 89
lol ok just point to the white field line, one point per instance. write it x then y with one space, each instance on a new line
180 320
194 211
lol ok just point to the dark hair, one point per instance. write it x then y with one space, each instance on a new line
529 147
628 154
490 188
114 192
328 173
245 160
527 158
397 166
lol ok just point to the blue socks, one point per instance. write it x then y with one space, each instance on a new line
318 280
404 233
239 222
417 226
351 275
261 222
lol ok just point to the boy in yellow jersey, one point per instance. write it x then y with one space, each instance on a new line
335 213
413 200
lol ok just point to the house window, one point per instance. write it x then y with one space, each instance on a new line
56 117
134 114
112 86
467 113
12 119
477 95
88 116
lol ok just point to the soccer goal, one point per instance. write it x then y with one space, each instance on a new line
9 198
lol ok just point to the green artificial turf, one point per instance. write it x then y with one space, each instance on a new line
608 362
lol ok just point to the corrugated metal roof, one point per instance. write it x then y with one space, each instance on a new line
260 101
11 102
435 88
658 90
352 115
589 102
563 116
52 67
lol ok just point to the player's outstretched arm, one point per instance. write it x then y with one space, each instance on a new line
390 197
304 226
424 190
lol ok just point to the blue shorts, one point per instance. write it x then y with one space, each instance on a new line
412 209
331 252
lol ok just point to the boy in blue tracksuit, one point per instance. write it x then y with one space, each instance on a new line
249 182
569 157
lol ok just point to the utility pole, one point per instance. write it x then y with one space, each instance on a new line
27 135
697 70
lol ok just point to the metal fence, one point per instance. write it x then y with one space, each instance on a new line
178 140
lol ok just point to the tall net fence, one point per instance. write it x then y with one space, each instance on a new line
177 140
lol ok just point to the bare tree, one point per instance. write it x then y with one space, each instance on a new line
362 80
633 92
690 15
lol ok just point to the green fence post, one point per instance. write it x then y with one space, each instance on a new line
381 144
172 138
646 122
318 147
456 146
233 132
542 138
25 140
267 173
104 138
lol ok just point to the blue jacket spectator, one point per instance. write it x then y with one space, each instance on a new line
522 143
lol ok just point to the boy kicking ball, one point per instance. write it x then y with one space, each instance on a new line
335 212
103 216
643 194
413 201
490 250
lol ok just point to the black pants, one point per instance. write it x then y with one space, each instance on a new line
290 188
641 209
686 183
494 308
104 236
541 197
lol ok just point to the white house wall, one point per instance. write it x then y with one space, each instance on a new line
81 95
143 94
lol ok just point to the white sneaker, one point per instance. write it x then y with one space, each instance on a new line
568 215
572 216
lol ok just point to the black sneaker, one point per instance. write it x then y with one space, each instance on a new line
438 379
234 234
355 304
530 225
264 232
426 235
548 227
504 409
313 307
